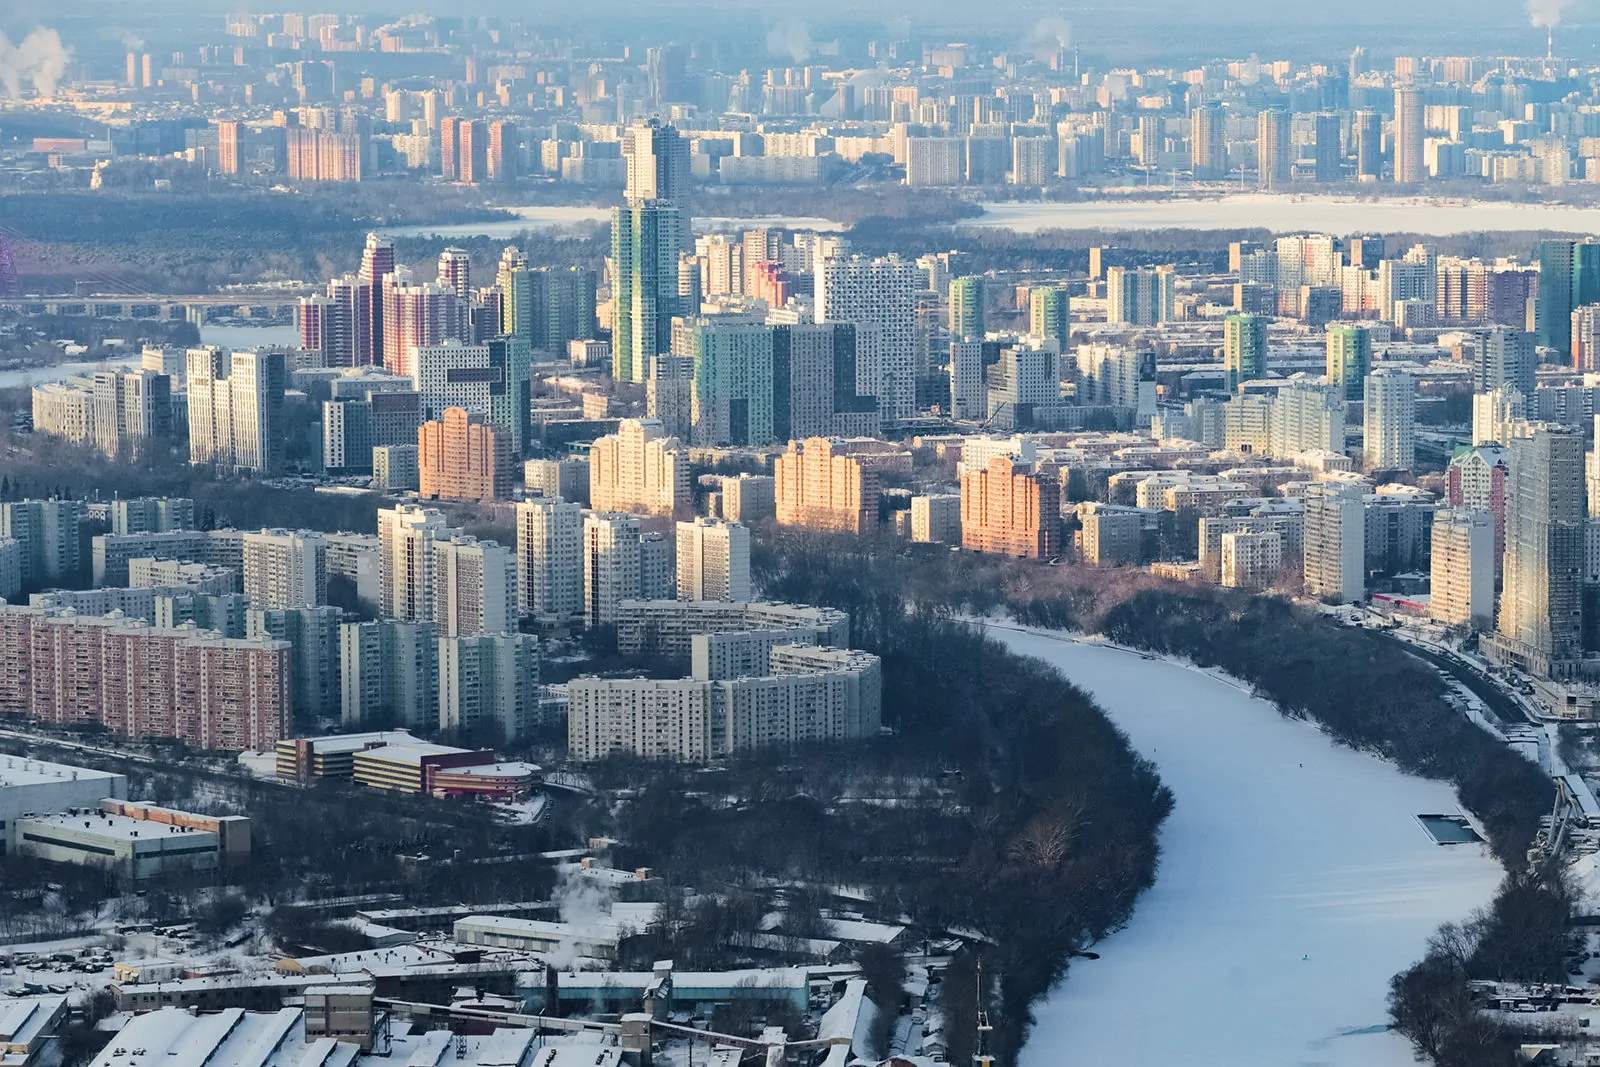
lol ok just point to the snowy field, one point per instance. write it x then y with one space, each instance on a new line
1295 881
1284 213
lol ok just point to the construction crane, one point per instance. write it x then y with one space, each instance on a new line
981 1056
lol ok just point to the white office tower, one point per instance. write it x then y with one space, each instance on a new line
550 558
612 568
406 536
1335 542
1462 591
1541 603
969 397
489 685
1391 421
1307 417
474 587
883 292
713 561
285 568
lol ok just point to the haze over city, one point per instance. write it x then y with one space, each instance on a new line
733 535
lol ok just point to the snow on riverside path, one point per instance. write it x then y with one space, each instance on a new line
1294 882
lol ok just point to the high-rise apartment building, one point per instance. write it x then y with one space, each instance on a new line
639 469
474 587
969 397
151 514
548 308
550 543
1409 127
1141 296
1049 314
1366 130
731 399
1349 358
1251 560
713 561
285 568
1462 590
1569 278
492 378
1507 357
489 685
1540 628
142 682
131 410
1208 145
1274 150
236 409
50 535
389 674
820 486
464 457
882 292
1244 351
416 315
612 565
407 535
1013 508
1328 147
966 307
646 237
1334 542
658 162
1390 421
377 263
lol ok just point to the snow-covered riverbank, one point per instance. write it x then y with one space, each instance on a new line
1295 881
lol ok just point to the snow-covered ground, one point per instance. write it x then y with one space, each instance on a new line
1295 881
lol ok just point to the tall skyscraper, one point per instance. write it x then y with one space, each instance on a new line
1408 135
415 315
731 400
550 558
1541 605
455 272
1274 150
882 292
1390 421
377 262
1569 278
1208 146
1327 147
713 561
966 307
1507 357
1244 349
968 386
1349 358
1366 129
646 236
658 162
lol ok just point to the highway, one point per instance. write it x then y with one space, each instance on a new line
1505 709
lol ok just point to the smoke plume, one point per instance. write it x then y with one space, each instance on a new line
1049 34
1547 13
790 38
39 60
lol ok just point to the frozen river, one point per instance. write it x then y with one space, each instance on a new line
1281 213
1295 881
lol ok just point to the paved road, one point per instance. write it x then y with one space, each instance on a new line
1504 708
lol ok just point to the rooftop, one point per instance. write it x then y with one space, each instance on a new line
118 826
171 1037
16 771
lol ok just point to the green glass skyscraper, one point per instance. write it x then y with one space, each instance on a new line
1569 278
966 307
1049 313
1244 349
645 240
1349 359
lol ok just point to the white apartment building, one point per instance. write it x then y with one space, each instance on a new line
489 679
474 587
713 561
968 391
884 292
1335 542
236 408
550 558
612 565
1251 560
285 568
936 519
1462 591
1390 436
406 537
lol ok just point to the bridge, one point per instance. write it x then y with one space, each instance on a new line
161 307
